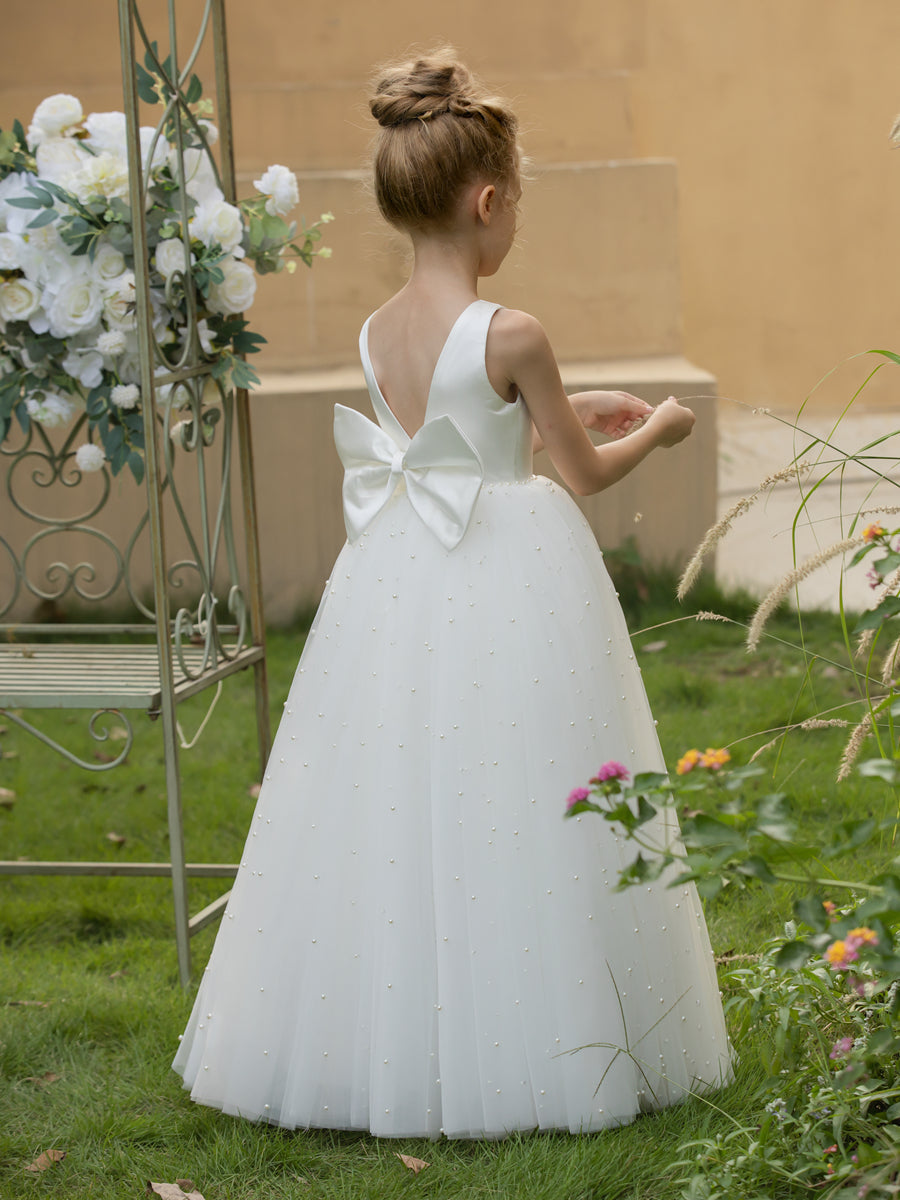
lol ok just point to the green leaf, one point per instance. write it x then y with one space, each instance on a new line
243 375
136 466
146 85
710 887
704 830
887 354
882 1041
889 607
879 768
194 90
757 868
793 955
45 218
27 202
811 911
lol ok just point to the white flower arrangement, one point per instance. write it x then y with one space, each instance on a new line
68 342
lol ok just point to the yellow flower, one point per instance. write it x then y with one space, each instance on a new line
687 762
873 531
714 759
836 952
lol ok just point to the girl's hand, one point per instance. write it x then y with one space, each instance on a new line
670 422
612 413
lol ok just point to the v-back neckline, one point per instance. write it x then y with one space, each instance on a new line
376 386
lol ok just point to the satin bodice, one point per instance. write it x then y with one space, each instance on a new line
499 432
470 436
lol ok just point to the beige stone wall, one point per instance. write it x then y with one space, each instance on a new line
777 113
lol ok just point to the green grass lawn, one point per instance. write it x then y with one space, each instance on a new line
88 980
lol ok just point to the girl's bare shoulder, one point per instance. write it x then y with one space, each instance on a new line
517 338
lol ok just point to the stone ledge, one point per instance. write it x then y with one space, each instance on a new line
601 373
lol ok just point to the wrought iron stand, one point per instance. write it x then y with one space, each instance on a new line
193 649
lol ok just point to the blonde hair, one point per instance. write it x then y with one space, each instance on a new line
440 130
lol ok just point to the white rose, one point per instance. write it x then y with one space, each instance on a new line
84 365
125 395
280 185
109 263
102 175
75 308
19 300
89 457
12 251
199 175
118 305
111 342
171 256
236 291
106 131
47 261
52 410
53 117
216 221
60 160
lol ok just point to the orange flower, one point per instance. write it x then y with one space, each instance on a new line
687 762
714 759
840 955
873 531
863 935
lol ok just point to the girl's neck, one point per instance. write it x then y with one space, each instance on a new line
448 263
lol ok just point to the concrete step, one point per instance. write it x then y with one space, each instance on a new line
674 490
596 262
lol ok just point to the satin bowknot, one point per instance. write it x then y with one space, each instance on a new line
440 468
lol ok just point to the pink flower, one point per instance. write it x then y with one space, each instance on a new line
577 796
610 770
841 1048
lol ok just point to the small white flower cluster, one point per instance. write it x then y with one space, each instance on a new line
88 301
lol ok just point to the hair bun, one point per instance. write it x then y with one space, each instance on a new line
423 89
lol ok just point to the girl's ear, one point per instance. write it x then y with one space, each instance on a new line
485 200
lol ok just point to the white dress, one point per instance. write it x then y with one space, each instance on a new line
417 942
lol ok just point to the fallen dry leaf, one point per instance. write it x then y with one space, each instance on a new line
119 974
653 647
253 790
7 797
117 839
47 1077
118 734
48 1159
102 756
2 730
413 1164
181 1189
28 1004
9 755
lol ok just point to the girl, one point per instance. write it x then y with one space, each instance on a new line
416 942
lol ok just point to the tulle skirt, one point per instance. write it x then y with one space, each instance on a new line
417 942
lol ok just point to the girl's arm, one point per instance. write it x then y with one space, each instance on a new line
612 413
519 356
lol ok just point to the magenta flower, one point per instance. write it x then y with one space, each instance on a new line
577 796
841 1048
610 770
